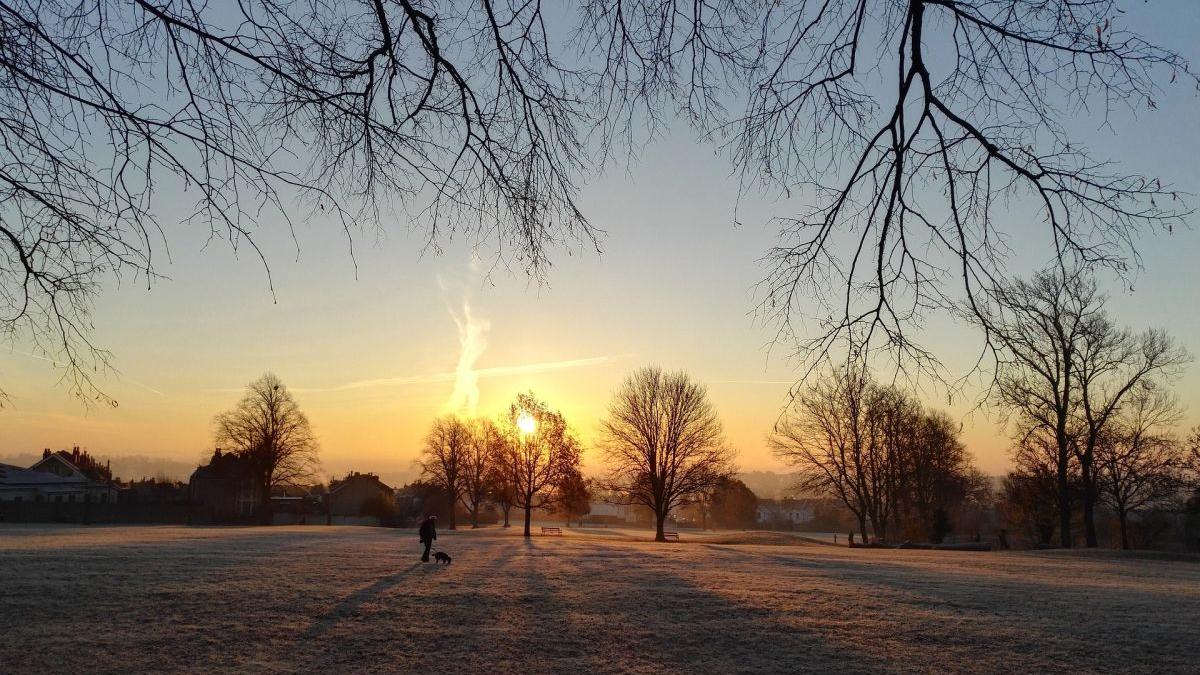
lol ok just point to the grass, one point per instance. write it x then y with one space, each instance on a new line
309 599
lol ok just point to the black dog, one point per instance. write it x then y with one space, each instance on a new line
441 557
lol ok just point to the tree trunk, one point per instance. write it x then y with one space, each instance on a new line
528 516
475 516
1064 504
506 508
1089 507
658 526
862 528
1123 518
265 505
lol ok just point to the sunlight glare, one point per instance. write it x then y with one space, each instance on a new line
526 423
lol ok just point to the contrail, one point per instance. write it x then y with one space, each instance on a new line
452 375
130 380
472 341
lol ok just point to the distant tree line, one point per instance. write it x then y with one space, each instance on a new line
1088 402
896 466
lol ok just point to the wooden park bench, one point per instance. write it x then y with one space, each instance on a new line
671 536
552 530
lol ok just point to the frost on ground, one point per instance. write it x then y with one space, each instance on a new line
345 600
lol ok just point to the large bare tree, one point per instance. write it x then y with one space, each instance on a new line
445 459
906 127
485 443
268 428
1066 367
1117 368
664 443
1038 326
825 436
540 452
458 111
1138 463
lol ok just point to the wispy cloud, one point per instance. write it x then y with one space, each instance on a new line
453 375
750 381
129 380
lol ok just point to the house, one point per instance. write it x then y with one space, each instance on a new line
608 510
603 511
225 488
300 500
349 496
783 513
60 477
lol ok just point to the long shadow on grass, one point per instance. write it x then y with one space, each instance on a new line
971 617
351 604
617 609
414 620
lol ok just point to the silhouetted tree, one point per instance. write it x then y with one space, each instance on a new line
573 496
1035 476
541 450
1039 326
1067 367
422 498
936 475
877 450
903 176
1115 365
350 106
347 107
664 443
268 428
1191 459
502 483
483 445
1029 504
1138 464
829 435
444 458
732 505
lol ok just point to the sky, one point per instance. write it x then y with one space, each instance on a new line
373 345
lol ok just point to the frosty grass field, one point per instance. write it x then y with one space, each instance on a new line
343 600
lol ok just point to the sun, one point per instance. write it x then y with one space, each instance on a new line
526 423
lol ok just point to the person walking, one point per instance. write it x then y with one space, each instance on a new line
427 533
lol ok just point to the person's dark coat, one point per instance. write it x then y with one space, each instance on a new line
428 531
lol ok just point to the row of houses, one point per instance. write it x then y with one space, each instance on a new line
225 489
59 477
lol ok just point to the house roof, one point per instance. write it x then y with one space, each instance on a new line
358 477
11 476
56 458
226 465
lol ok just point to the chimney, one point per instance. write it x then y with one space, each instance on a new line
45 453
75 455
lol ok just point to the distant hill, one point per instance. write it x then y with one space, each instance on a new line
768 484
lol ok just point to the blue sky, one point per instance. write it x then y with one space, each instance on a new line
368 350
